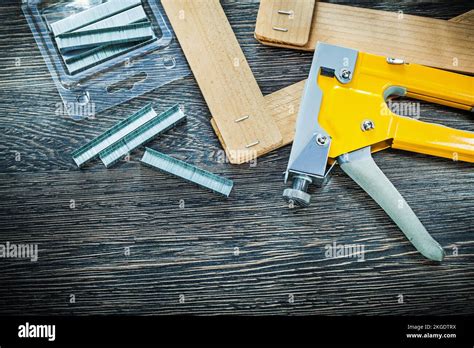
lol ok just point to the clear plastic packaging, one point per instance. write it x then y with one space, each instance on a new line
125 76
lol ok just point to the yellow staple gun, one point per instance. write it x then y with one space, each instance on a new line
344 117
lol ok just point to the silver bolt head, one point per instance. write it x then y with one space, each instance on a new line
345 74
299 197
321 139
367 125
396 61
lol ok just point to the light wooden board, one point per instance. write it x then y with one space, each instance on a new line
292 27
432 42
284 104
224 77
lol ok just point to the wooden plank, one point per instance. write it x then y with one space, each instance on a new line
288 21
283 106
432 42
224 77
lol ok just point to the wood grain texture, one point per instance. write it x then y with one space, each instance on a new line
415 39
294 22
283 106
225 78
191 251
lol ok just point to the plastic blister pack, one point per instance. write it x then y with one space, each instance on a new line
92 79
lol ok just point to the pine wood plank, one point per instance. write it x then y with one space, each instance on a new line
432 42
296 19
224 77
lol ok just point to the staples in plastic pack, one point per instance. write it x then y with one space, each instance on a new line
102 53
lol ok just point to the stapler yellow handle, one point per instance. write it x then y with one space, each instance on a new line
362 102
432 139
432 85
344 117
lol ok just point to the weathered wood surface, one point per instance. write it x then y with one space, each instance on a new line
191 251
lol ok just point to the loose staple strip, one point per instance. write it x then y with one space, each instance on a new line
114 134
109 36
141 135
133 15
187 171
92 15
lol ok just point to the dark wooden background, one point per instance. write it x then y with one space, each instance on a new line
190 253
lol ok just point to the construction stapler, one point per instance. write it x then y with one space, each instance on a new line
344 117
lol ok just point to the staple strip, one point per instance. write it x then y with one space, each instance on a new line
92 15
79 60
95 54
110 36
114 134
141 135
187 171
83 61
133 15
77 54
